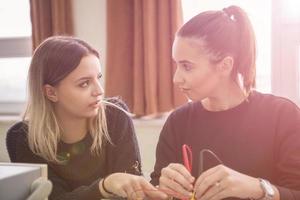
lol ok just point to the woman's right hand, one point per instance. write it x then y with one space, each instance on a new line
130 186
176 180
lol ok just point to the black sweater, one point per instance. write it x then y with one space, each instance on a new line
78 177
260 137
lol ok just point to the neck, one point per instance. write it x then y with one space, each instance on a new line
227 97
74 129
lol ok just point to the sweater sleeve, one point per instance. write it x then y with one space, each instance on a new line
166 150
288 151
123 154
61 190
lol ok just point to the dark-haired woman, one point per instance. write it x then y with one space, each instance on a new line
253 138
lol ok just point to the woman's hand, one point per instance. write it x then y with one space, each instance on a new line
177 181
221 182
131 187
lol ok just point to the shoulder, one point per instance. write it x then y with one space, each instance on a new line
116 108
275 109
178 121
184 112
273 102
118 102
16 137
19 129
119 122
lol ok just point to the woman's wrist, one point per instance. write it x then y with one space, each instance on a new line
104 190
257 192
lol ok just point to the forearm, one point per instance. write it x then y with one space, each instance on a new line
61 191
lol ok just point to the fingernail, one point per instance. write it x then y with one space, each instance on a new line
186 194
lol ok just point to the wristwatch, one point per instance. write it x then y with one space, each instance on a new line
269 192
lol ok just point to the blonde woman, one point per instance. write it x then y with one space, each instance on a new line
87 141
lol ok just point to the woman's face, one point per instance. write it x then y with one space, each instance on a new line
79 93
196 77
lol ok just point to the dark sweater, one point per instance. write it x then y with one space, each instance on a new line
260 137
78 177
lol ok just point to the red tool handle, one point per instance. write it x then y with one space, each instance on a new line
187 157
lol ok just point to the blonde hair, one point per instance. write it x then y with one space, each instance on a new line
52 61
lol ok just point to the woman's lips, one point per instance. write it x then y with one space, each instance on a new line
95 104
184 89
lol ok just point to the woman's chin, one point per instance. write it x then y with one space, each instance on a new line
190 97
92 113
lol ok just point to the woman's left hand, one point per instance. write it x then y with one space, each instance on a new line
221 182
132 187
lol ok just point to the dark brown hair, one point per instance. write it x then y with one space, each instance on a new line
227 32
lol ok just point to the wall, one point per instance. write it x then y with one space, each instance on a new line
90 25
5 123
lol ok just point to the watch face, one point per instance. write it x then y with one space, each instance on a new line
268 188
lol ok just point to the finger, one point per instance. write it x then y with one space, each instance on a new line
165 189
121 192
174 175
183 171
206 174
138 188
212 191
130 191
209 181
221 195
137 195
174 186
156 194
151 191
171 193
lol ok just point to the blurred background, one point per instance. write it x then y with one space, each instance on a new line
134 39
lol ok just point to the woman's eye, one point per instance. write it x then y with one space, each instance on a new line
84 84
99 76
186 67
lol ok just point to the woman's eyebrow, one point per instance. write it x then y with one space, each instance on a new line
185 62
88 77
83 78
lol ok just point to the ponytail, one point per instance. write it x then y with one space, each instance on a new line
227 32
246 51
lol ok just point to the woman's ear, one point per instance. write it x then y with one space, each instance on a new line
50 93
226 65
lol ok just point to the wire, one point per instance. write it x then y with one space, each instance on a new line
201 159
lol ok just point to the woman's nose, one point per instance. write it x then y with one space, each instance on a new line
98 89
177 78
